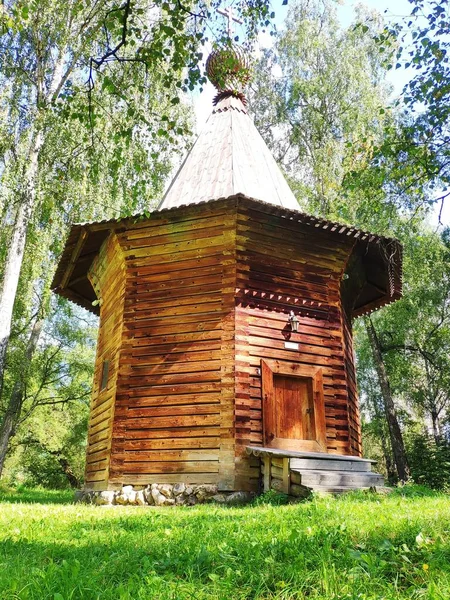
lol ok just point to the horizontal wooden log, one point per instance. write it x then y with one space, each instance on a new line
131 414
134 320
173 238
169 433
142 369
182 443
100 476
176 221
161 456
169 388
160 342
102 426
95 456
98 465
163 468
171 379
170 401
187 478
166 422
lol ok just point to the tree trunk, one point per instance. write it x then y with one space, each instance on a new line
16 248
390 467
436 423
395 434
14 409
73 480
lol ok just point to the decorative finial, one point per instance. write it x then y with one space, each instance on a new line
228 14
228 69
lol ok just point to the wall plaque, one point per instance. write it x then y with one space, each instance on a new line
291 345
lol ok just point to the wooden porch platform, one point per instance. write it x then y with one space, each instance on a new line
299 473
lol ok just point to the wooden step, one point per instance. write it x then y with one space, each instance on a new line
312 478
260 451
327 489
331 464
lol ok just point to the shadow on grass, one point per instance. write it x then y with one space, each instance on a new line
36 496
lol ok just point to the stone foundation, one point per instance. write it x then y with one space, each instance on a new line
163 494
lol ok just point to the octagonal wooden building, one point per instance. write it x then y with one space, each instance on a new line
198 359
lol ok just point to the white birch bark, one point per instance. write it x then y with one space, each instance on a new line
16 249
27 200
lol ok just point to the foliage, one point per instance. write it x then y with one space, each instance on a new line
415 340
272 498
57 391
92 112
411 164
355 547
429 461
318 99
427 137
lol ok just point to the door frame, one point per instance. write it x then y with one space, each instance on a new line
269 368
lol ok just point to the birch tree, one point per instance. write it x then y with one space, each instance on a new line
91 113
53 53
318 100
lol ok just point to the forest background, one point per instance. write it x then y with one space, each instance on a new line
94 106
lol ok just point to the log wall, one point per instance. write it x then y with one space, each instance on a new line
285 266
354 418
107 276
174 419
191 301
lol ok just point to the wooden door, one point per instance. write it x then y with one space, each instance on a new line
293 407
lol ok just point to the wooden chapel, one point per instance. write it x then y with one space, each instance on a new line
226 324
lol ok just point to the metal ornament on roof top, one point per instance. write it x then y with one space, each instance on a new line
228 69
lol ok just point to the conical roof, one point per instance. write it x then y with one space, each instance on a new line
229 157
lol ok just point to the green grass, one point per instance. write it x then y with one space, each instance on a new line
357 547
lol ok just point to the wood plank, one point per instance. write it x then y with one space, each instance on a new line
164 468
181 443
143 369
169 433
170 401
169 389
171 422
173 238
267 462
73 259
132 414
172 379
187 478
160 456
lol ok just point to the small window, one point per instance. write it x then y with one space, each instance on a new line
105 372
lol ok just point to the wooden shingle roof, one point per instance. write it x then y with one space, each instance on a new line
229 157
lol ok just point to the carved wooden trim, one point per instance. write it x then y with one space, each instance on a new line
269 368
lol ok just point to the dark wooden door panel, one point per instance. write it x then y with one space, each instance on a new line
293 406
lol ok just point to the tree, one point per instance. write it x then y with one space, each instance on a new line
411 164
91 98
416 338
78 179
47 51
395 433
318 100
55 389
412 342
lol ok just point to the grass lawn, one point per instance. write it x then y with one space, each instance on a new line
357 547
